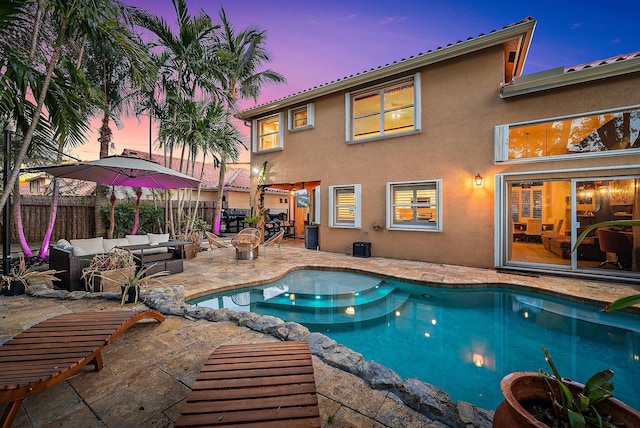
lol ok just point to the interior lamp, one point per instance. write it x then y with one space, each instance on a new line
478 179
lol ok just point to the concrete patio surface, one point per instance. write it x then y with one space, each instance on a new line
148 371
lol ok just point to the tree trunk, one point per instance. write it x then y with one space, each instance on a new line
44 249
217 214
17 214
136 217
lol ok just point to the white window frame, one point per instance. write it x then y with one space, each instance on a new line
349 97
501 139
357 221
310 119
428 227
256 138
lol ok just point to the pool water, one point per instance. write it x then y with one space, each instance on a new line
463 341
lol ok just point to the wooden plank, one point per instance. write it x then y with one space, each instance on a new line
257 385
55 349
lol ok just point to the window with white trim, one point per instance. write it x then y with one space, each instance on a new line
414 205
345 206
609 132
301 117
383 111
267 133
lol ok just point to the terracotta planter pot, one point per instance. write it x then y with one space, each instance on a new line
523 386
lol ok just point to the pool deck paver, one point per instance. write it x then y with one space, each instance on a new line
147 371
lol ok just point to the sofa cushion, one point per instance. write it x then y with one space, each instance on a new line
137 239
110 244
158 238
149 251
89 246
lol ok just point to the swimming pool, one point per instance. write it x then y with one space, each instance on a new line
463 341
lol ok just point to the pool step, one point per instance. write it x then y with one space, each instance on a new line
349 314
341 300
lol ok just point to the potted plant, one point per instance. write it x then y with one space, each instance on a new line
116 265
195 242
253 220
541 400
19 277
130 285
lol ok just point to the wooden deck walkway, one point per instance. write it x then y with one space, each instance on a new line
53 350
255 385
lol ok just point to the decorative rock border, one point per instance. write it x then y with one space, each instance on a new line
425 398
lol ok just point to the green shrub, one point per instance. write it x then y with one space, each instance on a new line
151 218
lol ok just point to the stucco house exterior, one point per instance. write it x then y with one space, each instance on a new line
453 156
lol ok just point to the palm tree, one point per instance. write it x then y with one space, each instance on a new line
66 21
240 57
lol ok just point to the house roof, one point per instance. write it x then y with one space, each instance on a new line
514 38
564 76
210 174
236 179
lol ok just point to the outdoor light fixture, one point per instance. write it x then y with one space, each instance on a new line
478 180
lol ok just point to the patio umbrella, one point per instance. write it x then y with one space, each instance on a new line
123 171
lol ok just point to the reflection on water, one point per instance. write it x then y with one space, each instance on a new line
463 341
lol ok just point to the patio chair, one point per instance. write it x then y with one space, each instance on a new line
290 231
274 241
216 242
251 231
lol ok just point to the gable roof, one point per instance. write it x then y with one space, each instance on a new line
233 177
514 38
564 76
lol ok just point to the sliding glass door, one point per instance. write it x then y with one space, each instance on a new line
546 216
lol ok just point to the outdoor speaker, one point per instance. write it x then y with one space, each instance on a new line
362 249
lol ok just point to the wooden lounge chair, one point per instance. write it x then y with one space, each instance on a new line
266 384
53 350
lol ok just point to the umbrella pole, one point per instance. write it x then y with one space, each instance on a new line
113 212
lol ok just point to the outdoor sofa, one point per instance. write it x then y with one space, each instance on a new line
73 255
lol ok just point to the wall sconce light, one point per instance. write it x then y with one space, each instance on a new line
478 180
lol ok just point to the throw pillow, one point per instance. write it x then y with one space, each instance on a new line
137 239
158 238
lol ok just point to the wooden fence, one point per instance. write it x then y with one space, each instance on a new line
75 217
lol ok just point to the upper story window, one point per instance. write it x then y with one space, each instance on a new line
595 134
345 206
382 111
34 186
301 118
414 205
267 133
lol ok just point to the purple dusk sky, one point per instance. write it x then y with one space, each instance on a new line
315 42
